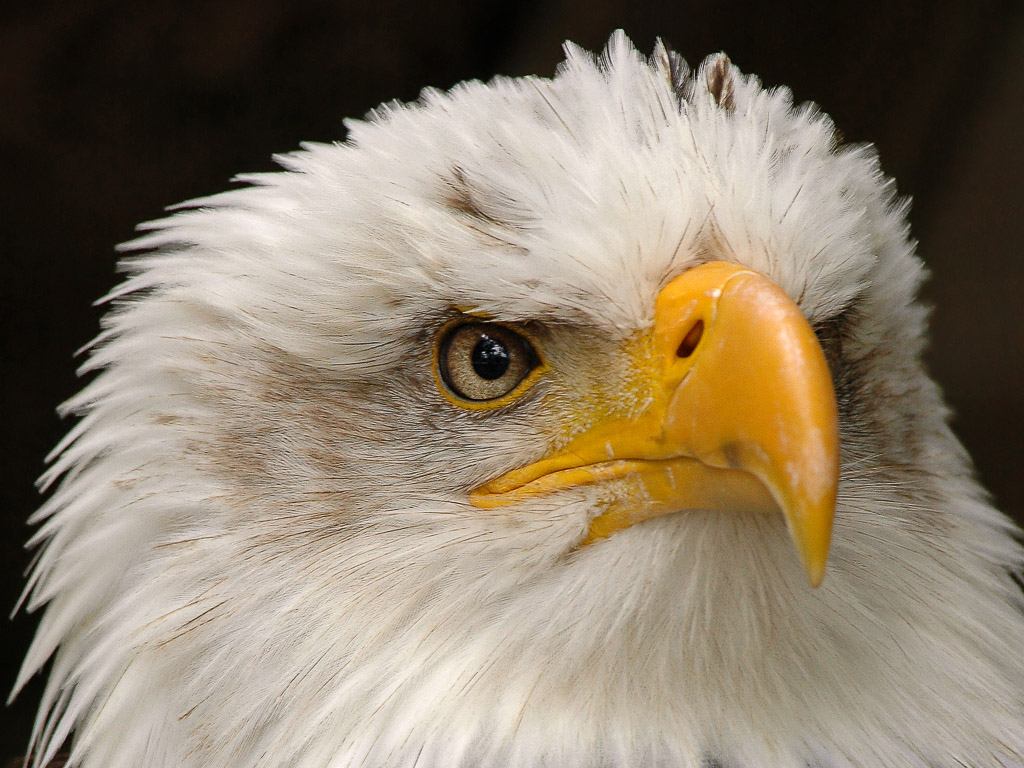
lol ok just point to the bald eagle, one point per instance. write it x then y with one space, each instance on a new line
574 422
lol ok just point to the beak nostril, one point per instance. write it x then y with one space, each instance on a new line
691 340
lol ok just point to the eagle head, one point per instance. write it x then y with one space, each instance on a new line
569 422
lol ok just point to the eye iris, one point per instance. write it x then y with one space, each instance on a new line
490 358
480 363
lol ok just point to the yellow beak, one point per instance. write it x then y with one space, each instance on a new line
742 417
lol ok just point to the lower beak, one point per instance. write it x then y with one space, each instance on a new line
742 417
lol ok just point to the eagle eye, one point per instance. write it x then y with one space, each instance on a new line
480 363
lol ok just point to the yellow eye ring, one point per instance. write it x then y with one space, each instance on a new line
481 365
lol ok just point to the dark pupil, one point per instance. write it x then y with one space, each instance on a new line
490 358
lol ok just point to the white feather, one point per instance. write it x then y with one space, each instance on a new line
259 551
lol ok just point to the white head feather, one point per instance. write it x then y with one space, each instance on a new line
259 550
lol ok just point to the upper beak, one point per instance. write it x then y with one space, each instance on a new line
742 416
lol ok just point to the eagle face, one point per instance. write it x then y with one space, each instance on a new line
516 430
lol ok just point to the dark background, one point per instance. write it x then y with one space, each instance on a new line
111 110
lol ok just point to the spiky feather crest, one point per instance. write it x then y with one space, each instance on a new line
258 550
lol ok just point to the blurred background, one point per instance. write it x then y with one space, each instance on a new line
110 111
